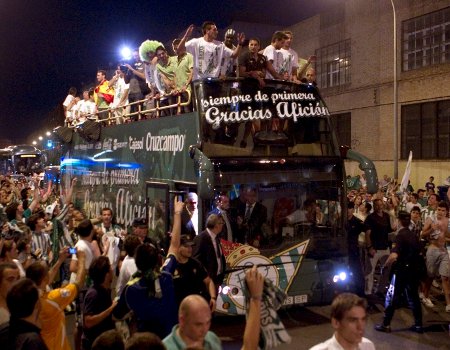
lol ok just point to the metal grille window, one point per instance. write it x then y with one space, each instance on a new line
333 64
426 40
426 130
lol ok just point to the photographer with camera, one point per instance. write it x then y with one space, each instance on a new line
138 86
53 303
121 89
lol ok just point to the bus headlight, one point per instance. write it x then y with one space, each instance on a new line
340 277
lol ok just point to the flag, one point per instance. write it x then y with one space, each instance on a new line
273 332
407 174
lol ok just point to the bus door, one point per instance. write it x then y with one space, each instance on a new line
158 200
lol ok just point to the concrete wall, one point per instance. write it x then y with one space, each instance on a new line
369 97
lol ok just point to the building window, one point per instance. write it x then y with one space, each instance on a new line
426 130
342 125
426 40
333 65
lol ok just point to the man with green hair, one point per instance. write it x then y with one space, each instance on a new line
147 52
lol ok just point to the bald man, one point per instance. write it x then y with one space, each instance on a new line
194 318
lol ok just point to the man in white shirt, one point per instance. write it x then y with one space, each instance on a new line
208 52
274 55
348 318
128 267
290 58
85 231
88 108
68 103
120 94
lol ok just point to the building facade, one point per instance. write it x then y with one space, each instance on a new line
353 42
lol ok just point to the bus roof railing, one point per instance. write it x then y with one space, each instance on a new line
156 110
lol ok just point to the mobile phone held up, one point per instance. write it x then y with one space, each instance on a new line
72 250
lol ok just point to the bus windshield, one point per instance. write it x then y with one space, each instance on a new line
297 200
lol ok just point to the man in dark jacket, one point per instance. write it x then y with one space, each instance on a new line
24 306
405 278
208 242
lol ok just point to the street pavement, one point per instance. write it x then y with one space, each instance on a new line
308 326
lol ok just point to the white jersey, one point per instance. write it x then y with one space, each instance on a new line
290 61
276 58
87 108
120 88
86 247
208 57
152 77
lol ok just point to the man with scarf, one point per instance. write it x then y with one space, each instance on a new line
150 294
60 235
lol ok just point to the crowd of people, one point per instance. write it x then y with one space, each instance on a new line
154 75
119 284
406 234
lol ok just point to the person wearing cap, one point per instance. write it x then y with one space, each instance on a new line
150 294
208 52
140 229
190 277
406 261
228 63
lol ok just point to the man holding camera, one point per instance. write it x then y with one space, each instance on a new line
121 89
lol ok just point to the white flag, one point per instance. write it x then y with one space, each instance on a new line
407 174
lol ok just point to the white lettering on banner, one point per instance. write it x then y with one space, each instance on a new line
111 177
214 117
226 100
167 143
93 209
286 105
124 177
295 110
126 209
134 143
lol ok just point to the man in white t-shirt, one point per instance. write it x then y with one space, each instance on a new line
290 58
68 103
88 107
273 53
208 52
348 318
121 89
85 231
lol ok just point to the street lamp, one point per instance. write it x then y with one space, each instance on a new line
34 143
40 138
48 133
395 150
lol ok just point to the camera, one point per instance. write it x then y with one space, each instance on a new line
123 68
72 250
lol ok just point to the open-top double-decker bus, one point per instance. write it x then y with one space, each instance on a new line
277 139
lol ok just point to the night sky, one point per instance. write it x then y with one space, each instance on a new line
46 46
